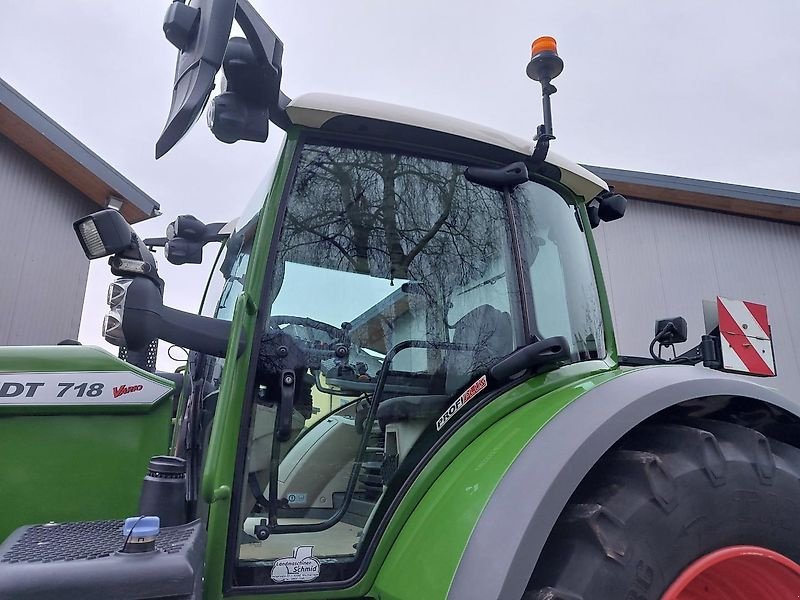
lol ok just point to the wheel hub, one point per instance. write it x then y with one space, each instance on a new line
738 573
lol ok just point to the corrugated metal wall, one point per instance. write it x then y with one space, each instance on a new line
42 268
663 261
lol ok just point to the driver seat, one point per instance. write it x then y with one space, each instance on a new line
404 418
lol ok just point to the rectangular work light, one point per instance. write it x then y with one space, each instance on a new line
103 233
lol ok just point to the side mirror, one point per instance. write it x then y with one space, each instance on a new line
612 207
252 82
186 237
200 31
251 95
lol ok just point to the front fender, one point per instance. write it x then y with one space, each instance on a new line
507 539
420 549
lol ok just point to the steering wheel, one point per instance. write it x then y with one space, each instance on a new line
316 350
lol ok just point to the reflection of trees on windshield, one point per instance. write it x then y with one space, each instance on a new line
393 217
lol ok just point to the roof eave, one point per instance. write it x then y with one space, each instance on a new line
727 198
41 137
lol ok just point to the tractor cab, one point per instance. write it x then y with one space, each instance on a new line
408 273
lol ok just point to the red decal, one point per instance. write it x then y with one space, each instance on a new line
126 389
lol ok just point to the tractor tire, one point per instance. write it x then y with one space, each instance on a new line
663 499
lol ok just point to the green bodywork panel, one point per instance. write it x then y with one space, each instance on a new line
75 462
442 512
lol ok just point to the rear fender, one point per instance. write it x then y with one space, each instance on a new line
505 544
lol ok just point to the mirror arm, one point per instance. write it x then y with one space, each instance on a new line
145 318
256 31
204 334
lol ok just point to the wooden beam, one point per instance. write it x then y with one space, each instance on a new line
60 163
725 204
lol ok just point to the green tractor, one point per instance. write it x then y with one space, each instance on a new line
402 384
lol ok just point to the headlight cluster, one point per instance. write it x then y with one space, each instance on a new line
112 322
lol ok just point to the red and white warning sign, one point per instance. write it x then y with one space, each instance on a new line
745 337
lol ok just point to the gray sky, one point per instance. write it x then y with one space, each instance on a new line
697 89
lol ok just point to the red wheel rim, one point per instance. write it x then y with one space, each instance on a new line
738 573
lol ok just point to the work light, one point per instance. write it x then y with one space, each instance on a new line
117 291
112 327
103 233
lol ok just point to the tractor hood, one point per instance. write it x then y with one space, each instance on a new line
77 428
320 111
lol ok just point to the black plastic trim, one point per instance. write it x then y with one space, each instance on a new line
520 265
423 142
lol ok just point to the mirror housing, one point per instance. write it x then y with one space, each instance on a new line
673 330
593 212
251 94
611 206
201 39
180 24
231 119
186 237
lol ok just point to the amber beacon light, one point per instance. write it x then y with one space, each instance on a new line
545 63
544 66
542 44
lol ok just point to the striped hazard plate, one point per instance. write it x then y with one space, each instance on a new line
746 338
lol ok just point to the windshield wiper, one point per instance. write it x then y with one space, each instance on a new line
549 352
509 176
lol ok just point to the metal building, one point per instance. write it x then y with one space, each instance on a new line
683 241
47 180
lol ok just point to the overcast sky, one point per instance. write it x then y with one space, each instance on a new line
698 89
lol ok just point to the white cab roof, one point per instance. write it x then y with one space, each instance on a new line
314 110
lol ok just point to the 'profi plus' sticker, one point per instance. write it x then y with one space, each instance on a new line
472 391
79 388
301 566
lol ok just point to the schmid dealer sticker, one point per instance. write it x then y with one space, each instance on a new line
472 391
301 566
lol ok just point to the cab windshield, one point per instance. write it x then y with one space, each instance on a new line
396 285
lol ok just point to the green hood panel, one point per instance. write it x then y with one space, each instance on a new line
80 456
